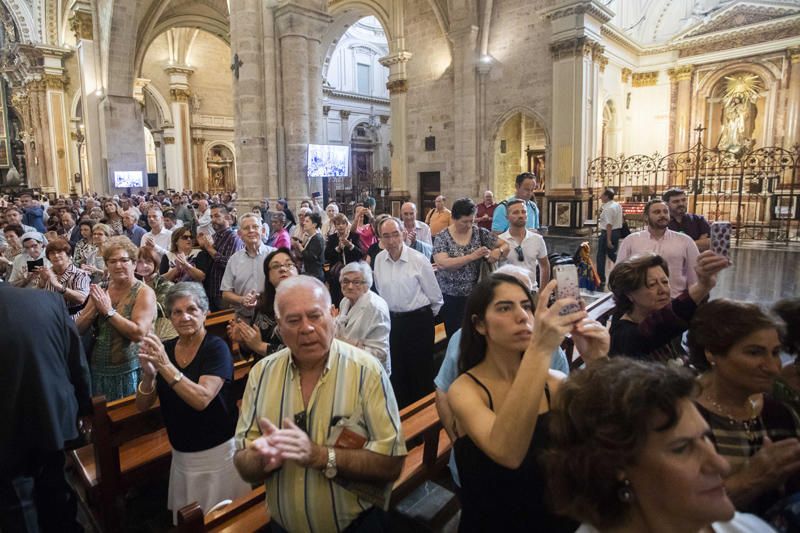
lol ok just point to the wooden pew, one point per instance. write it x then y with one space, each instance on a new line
128 447
428 447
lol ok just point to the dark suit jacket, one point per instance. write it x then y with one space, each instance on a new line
356 254
312 256
44 381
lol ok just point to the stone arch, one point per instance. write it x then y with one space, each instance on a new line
24 21
609 133
499 183
345 14
161 104
770 74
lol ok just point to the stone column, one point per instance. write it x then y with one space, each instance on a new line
180 93
482 155
793 102
681 107
298 30
86 50
577 54
158 141
58 132
465 89
199 176
398 94
344 125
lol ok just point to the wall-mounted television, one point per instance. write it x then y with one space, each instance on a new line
128 179
328 161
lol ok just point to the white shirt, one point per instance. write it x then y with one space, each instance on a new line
741 523
610 213
204 222
162 240
245 273
533 249
19 270
408 283
368 323
423 231
678 250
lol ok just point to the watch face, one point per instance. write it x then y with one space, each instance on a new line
330 472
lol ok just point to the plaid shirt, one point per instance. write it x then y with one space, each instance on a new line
226 243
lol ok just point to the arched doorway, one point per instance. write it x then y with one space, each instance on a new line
520 145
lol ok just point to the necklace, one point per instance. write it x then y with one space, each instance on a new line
748 424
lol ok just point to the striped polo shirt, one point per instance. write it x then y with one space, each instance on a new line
353 381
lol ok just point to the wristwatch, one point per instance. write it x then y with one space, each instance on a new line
175 379
330 468
111 312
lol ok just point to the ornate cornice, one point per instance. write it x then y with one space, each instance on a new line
579 46
180 95
682 73
581 7
355 96
397 86
735 39
81 25
644 79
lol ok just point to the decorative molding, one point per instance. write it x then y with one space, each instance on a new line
355 96
81 25
644 79
579 46
198 140
179 69
169 140
395 59
157 144
138 89
737 39
739 16
397 86
682 73
384 119
603 62
180 95
582 7
326 109
626 75
344 114
56 82
794 55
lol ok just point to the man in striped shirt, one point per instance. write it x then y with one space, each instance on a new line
319 424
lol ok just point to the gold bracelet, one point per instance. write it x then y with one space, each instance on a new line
143 393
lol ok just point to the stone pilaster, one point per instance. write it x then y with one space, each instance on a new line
55 82
180 93
465 103
398 96
793 101
199 177
680 107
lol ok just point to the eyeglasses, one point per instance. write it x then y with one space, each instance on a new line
520 255
186 237
353 282
121 260
278 266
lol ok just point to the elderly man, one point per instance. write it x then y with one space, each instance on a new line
405 279
525 184
244 277
72 232
483 218
678 249
25 271
526 247
416 230
695 226
221 248
158 237
131 229
439 217
318 424
203 214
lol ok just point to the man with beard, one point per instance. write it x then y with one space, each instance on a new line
224 243
677 249
525 185
695 226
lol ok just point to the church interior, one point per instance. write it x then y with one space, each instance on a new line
427 98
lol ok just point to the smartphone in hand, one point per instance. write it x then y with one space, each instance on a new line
567 278
721 238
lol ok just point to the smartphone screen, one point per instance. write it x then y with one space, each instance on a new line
33 264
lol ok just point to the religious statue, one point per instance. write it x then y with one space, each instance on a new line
218 179
739 112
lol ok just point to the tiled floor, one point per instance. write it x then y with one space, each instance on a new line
761 272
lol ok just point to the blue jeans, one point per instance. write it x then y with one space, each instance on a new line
603 251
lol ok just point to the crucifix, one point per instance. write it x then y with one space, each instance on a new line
236 64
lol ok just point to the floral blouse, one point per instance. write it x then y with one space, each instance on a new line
460 282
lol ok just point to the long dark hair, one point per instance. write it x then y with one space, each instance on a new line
472 347
267 300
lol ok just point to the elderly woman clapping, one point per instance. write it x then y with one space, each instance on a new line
363 316
193 377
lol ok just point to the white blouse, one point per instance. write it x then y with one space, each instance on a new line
368 324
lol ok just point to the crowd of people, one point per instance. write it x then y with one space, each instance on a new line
684 416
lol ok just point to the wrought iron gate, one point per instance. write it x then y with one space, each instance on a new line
759 191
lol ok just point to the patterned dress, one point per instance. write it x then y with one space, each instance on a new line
115 358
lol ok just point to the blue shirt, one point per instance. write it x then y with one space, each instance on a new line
135 234
34 216
449 372
500 218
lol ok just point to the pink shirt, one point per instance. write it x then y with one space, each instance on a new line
282 240
678 250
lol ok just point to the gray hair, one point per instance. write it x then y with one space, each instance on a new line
303 211
252 215
359 267
385 220
280 215
333 205
186 289
522 274
303 281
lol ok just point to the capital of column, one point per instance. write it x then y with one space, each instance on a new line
326 109
397 86
178 73
682 73
138 89
169 140
645 79
794 54
398 58
56 82
294 20
576 47
198 141
603 62
180 94
81 25
626 75
344 114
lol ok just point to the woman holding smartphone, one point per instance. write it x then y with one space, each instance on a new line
501 402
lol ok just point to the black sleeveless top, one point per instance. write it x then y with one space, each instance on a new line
496 498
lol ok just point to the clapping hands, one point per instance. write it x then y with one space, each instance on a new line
275 446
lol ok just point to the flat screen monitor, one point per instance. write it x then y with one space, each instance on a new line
328 161
127 179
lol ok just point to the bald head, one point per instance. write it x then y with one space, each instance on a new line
291 288
408 213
